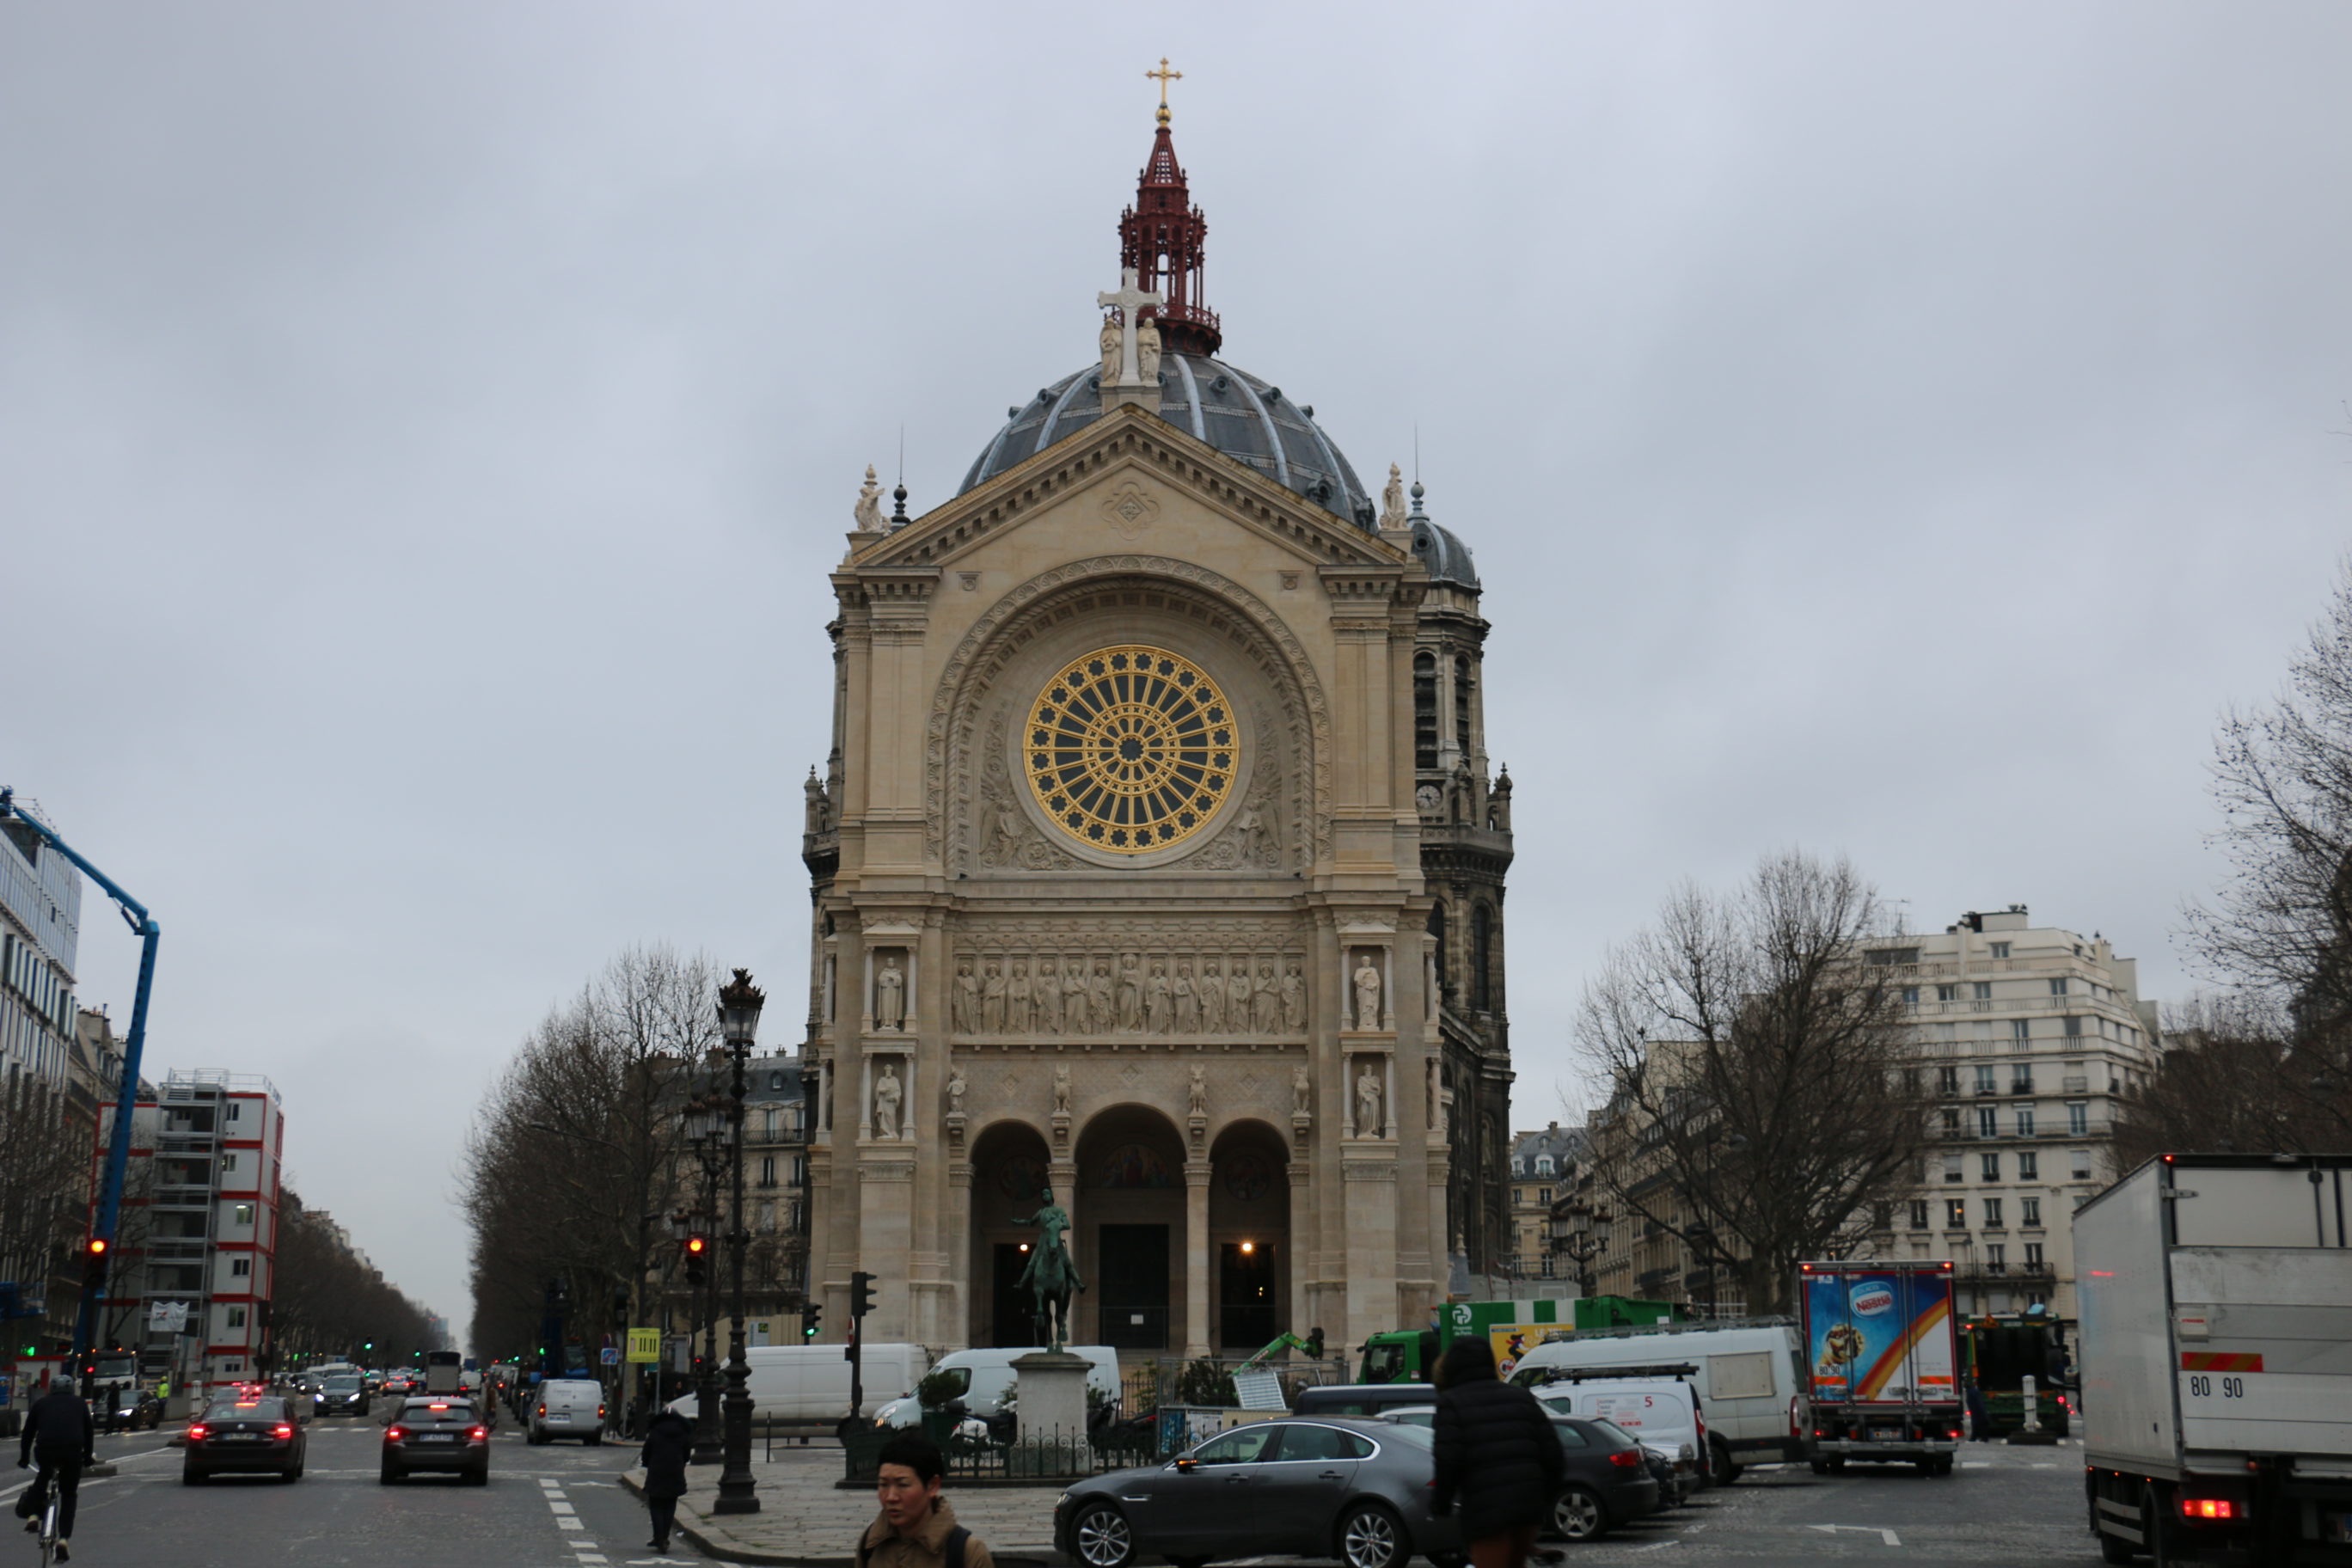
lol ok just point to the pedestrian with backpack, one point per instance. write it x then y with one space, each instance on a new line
670 1448
917 1527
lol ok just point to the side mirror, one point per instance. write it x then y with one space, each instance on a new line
1187 1465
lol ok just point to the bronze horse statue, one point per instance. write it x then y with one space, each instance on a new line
1051 1276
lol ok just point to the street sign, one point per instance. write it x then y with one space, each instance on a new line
644 1346
610 1355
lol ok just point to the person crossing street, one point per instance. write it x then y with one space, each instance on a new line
59 1440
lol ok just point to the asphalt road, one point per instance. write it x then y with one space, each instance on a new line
558 1507
553 1507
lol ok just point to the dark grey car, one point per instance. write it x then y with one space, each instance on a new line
1611 1476
1357 1490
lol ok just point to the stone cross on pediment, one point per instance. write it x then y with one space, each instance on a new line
1129 299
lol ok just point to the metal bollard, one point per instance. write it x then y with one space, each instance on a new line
2032 1405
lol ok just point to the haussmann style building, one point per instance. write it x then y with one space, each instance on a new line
1157 858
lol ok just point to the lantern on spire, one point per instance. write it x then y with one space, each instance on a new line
1161 239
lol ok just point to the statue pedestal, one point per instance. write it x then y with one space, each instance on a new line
1053 1398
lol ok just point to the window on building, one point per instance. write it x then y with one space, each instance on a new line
2058 987
235 1317
1482 942
1990 1167
1992 1213
1891 955
1956 1214
2001 950
2029 1212
243 1214
1424 710
1950 1116
1987 1121
2021 1029
1984 990
2079 1162
236 1111
1947 1080
1947 992
2073 1028
2033 1256
767 1169
1919 1213
1543 1195
2078 1117
1984 1078
1543 1164
1996 1258
1952 1172
2025 1122
240 1267
2029 1165
1910 995
2021 1079
228 1162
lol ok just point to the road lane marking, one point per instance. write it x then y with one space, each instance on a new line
1886 1535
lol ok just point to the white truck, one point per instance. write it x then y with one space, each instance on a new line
2215 1349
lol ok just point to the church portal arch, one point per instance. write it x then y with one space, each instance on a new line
1009 1164
1130 1218
1280 818
1248 1251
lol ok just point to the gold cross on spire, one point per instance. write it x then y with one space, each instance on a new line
1163 75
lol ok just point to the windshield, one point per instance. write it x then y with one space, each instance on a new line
245 1410
118 1366
1383 1363
343 1384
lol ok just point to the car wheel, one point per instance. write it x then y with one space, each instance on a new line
386 1476
1372 1537
1726 1472
1099 1537
1577 1515
534 1437
480 1478
192 1478
595 1439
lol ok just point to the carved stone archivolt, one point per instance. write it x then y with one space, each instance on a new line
1009 839
1291 787
1204 987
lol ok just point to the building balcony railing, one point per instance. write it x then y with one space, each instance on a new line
1981 1273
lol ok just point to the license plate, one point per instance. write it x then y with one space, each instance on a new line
436 1436
240 1436
1886 1435
559 1421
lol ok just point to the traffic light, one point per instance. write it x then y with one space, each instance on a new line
93 1254
697 1247
810 1319
861 1294
620 1304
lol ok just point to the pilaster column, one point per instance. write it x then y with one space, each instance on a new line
1198 1341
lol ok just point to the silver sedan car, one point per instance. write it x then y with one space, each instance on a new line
1357 1490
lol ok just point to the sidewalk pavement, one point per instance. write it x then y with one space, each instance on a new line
805 1522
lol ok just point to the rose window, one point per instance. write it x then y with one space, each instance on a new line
1130 749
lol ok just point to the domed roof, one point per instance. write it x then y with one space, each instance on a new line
1230 409
1441 550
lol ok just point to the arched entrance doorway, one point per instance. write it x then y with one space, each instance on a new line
1249 1237
1131 1219
1008 1167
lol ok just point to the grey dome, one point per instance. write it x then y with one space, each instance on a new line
1442 551
1232 410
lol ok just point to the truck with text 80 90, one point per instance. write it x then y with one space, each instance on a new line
1882 1365
2214 1347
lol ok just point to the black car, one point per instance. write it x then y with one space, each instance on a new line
129 1409
343 1396
1609 1481
257 1435
436 1435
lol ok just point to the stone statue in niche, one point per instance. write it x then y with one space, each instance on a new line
1157 999
866 516
1061 1090
890 996
991 999
1076 1015
964 1008
1147 350
1098 998
1048 997
1017 1000
1392 513
887 1093
1198 1103
1237 999
1212 999
1188 1001
1367 980
1266 1000
1301 1089
1368 1102
1294 999
956 1087
1131 995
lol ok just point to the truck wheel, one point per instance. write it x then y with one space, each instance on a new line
2115 1549
1726 1472
2156 1527
1820 1466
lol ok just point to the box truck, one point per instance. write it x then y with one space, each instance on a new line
1882 1364
2214 1344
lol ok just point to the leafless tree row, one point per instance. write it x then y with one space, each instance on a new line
574 1158
44 1177
1763 1099
327 1301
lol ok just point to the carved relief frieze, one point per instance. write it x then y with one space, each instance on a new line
1147 979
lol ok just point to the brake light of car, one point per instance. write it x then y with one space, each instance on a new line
1626 1458
2203 1507
542 1410
283 1430
600 1412
437 1407
196 1430
478 1433
395 1434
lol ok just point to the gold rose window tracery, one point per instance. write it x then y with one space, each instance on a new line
1130 749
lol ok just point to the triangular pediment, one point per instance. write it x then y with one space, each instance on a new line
1131 445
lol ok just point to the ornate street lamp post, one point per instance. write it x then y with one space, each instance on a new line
738 1021
706 1120
1580 1231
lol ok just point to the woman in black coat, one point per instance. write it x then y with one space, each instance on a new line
669 1445
1496 1455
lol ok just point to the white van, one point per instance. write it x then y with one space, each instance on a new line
567 1407
985 1376
1661 1413
1747 1378
811 1383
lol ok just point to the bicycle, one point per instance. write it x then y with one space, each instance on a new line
49 1531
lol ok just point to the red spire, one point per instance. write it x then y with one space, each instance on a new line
1161 236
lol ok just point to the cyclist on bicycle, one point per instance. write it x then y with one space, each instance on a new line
61 1437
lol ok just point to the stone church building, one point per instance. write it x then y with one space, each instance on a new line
1157 860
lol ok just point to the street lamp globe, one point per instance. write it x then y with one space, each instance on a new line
739 1002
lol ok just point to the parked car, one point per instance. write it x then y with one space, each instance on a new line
1365 1400
1595 1474
1662 1414
568 1407
435 1435
245 1436
1358 1491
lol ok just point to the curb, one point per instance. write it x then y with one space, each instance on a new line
695 1527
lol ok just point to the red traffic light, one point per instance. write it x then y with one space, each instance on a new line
696 1246
98 1245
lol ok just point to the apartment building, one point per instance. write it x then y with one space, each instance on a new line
1543 1163
40 932
2032 1036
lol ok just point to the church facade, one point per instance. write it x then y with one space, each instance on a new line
1156 863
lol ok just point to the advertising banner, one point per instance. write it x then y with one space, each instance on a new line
1880 1336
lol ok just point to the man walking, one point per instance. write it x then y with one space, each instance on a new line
61 1438
917 1527
669 1445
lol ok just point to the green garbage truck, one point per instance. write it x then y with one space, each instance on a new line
1410 1356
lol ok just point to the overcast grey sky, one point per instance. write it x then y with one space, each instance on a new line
425 430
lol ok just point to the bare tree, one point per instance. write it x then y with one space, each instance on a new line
45 1188
329 1301
1763 1100
2235 1080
